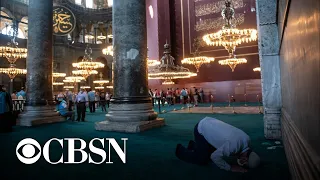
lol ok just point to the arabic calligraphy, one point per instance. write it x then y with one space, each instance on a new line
63 21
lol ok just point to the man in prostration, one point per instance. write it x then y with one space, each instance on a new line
215 140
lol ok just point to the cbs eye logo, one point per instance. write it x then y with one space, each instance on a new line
28 148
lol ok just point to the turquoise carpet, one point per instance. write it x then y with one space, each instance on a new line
150 155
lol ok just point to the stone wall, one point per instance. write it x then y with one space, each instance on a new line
299 63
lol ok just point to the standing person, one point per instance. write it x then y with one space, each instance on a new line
108 98
151 95
22 93
97 99
103 102
177 95
81 100
6 110
169 96
201 95
157 95
14 95
215 140
91 96
70 100
195 96
163 97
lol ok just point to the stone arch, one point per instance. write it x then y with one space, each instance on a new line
7 12
106 71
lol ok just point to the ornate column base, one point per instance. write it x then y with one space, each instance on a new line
37 115
272 125
130 118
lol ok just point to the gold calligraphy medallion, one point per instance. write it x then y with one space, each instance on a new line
64 21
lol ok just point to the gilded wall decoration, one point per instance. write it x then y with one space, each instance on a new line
217 23
215 7
64 21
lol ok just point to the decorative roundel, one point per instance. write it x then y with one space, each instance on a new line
64 21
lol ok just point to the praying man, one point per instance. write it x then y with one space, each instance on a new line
215 140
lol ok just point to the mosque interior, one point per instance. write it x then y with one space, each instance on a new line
253 64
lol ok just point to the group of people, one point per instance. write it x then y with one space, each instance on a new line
177 96
92 99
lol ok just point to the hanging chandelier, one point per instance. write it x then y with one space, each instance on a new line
197 60
99 87
11 52
168 82
71 81
109 87
57 83
233 62
12 71
85 87
68 87
58 75
89 36
257 69
229 36
152 62
87 63
108 51
101 81
167 69
84 73
101 37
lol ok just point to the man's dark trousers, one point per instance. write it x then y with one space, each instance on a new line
81 111
200 153
92 106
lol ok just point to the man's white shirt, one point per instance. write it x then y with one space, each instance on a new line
228 140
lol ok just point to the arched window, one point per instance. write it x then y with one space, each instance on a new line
9 31
89 3
6 26
78 2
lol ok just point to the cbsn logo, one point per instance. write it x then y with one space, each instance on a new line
29 157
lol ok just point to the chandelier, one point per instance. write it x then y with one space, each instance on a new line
167 82
12 71
99 87
84 73
101 81
57 83
101 37
197 60
257 69
229 36
233 62
167 69
68 87
11 52
87 63
108 51
152 62
89 36
109 87
74 78
71 81
58 75
85 87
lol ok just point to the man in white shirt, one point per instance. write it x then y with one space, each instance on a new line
82 102
214 140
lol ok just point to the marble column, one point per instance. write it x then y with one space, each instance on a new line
39 107
131 109
269 45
